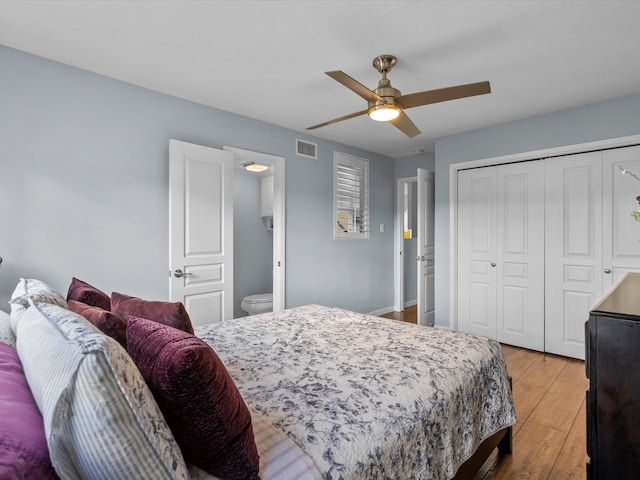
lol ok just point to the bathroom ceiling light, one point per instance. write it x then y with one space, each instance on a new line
255 167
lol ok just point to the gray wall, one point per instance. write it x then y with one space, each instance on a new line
408 166
599 121
410 270
84 189
252 242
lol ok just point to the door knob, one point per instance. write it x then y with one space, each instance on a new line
493 264
179 273
607 271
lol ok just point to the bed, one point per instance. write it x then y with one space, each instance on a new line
366 397
327 393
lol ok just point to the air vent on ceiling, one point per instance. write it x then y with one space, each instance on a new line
306 149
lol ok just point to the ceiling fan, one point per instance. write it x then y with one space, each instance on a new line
386 103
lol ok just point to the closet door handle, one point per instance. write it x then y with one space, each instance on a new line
607 271
493 264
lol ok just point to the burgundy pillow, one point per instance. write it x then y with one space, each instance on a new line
107 322
198 398
85 293
167 313
23 445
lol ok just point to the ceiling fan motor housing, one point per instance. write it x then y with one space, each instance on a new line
387 92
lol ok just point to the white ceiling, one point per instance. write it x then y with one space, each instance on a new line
265 59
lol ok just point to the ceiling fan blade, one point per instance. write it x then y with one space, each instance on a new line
336 120
355 86
405 124
443 94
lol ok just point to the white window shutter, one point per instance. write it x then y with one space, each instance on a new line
351 196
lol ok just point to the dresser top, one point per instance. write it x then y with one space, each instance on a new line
623 299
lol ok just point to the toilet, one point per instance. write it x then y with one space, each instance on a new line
258 303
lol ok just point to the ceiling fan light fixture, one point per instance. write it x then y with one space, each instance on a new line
255 167
384 113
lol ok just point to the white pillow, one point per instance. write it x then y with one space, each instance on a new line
38 291
100 419
6 334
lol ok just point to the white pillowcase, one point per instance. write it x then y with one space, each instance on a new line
101 421
38 291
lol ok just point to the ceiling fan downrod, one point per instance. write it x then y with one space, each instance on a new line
384 63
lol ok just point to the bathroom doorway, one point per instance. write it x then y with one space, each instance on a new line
259 217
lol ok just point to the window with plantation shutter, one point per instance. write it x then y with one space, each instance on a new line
350 196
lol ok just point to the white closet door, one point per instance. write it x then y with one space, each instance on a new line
501 253
520 259
621 232
573 253
477 252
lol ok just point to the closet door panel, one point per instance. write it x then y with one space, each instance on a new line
573 246
520 245
621 232
476 251
573 327
514 306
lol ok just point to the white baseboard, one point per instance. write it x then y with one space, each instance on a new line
443 327
382 311
386 310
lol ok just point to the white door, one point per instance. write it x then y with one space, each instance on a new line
201 231
621 232
520 255
426 277
573 253
477 251
501 253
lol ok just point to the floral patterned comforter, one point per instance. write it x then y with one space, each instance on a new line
366 397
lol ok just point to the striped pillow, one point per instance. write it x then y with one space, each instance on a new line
100 419
38 291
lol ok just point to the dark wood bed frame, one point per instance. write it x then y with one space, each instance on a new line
501 439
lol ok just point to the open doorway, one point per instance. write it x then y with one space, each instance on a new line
268 204
414 274
406 233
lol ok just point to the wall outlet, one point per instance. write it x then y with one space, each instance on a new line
382 228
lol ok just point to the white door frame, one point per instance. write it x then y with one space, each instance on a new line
243 156
453 197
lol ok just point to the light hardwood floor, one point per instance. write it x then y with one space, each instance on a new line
549 440
409 314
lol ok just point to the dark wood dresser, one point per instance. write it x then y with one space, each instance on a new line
613 369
